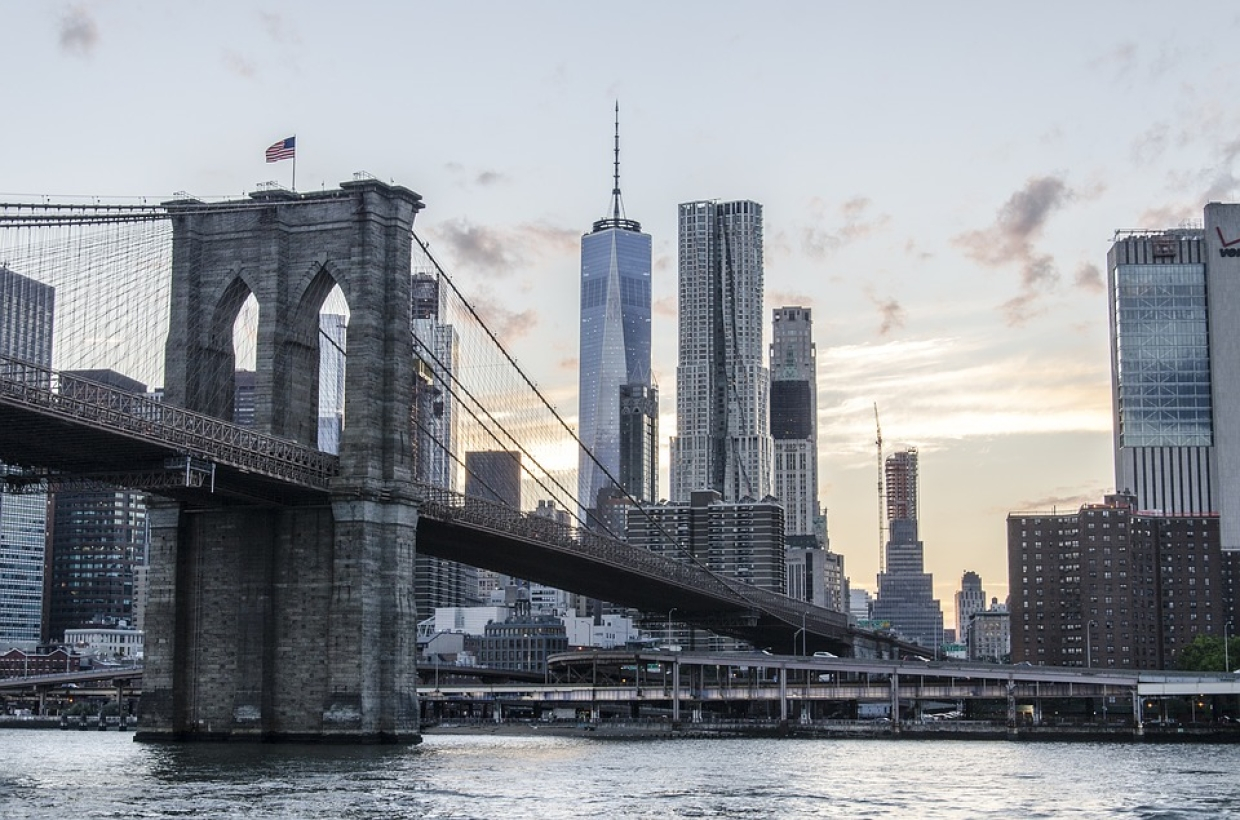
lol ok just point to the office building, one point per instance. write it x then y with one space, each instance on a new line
244 397
794 418
742 540
970 598
440 583
816 575
990 634
1175 368
437 346
639 441
97 540
723 440
905 590
1114 586
617 405
26 312
494 476
333 338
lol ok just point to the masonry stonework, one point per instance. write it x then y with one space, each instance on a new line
291 620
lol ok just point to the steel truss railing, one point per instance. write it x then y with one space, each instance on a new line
109 409
448 506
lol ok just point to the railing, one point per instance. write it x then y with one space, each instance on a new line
448 506
111 409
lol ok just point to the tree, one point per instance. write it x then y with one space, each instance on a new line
1205 654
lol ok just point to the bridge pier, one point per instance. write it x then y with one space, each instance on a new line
291 618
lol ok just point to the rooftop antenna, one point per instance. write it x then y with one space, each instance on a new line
615 190
615 218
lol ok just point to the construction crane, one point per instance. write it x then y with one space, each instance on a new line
882 509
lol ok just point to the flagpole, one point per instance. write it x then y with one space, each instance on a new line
294 163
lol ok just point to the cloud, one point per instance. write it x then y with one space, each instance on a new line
508 325
79 33
854 223
279 29
1021 308
502 250
490 178
1150 146
1089 277
1121 60
1011 238
890 312
477 246
239 65
665 307
569 364
1065 503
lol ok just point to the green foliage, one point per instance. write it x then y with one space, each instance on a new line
1205 654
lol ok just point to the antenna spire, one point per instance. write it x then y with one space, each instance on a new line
614 218
615 189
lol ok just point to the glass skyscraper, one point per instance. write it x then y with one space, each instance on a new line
1160 370
723 439
615 351
26 309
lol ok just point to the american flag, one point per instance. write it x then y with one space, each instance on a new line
284 149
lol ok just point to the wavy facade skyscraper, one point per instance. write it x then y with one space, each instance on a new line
723 439
615 353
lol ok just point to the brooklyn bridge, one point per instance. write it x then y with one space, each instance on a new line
265 548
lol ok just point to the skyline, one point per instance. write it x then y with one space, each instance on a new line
940 193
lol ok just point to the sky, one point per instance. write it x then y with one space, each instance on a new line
940 183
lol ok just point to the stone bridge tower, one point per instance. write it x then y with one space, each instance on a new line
291 620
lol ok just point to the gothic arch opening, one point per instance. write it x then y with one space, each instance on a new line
316 365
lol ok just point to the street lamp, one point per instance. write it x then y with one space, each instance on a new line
800 632
669 626
1226 659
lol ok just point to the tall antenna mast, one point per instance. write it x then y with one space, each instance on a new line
615 188
615 218
882 510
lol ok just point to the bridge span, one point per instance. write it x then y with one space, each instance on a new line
264 549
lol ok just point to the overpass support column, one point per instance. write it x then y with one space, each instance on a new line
675 691
783 696
1138 716
895 702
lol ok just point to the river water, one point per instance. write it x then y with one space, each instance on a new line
58 774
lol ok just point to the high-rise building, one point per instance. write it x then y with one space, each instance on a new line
615 356
742 540
333 335
493 475
722 440
26 311
817 576
990 634
970 598
1175 368
440 583
905 590
97 540
794 417
437 345
1114 586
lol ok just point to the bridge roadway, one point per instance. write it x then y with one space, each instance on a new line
72 430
